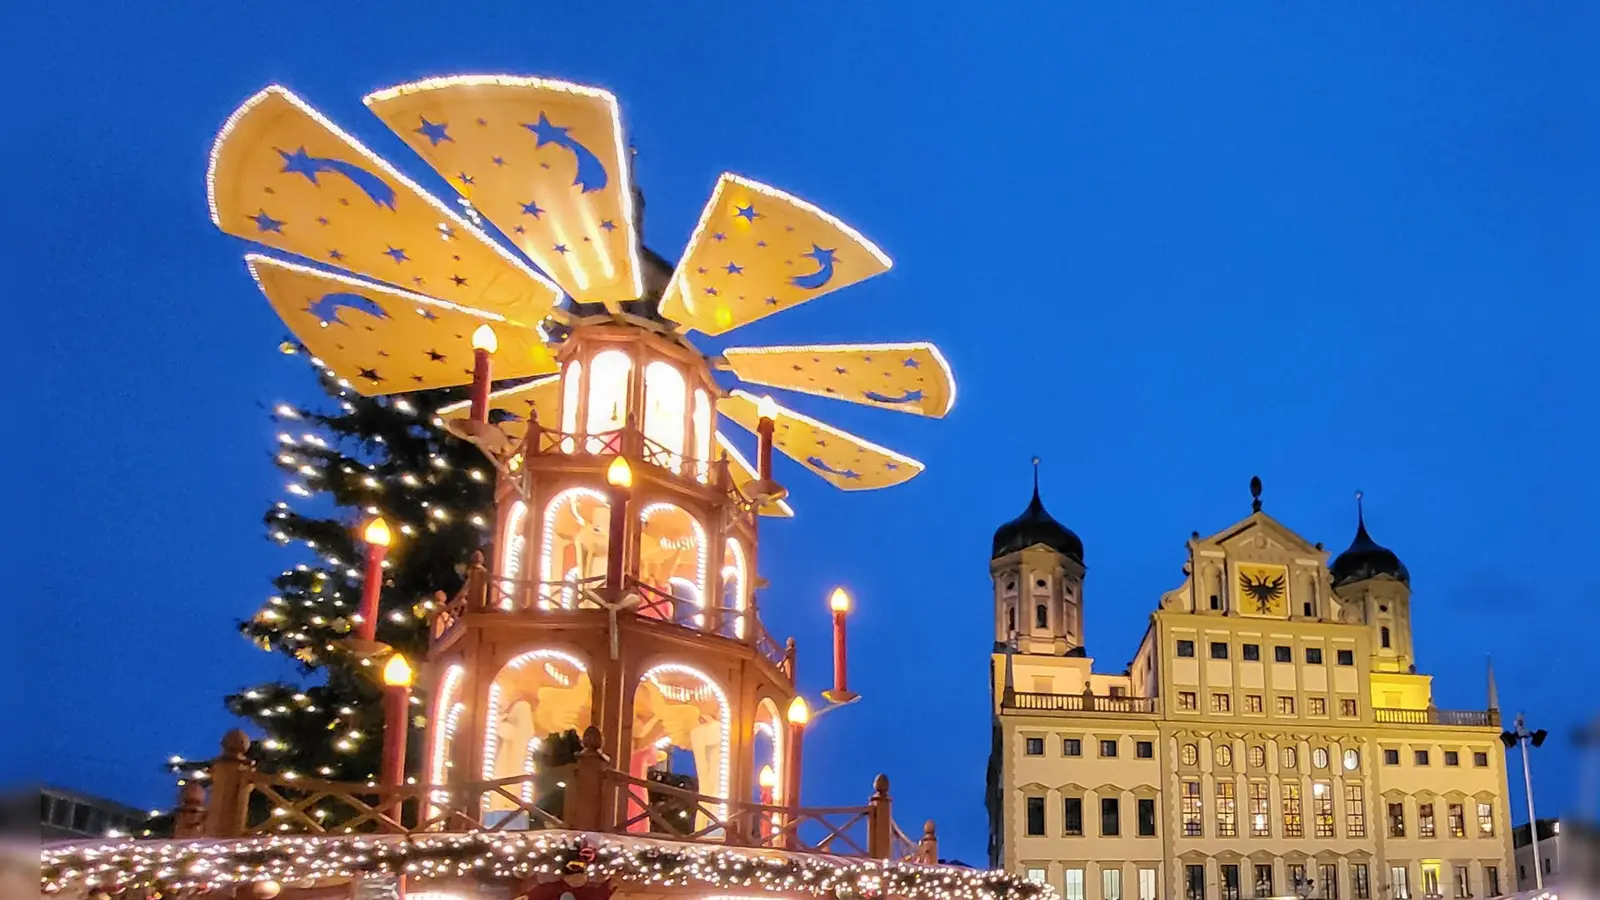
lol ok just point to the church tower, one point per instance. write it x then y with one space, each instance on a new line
1037 567
1373 580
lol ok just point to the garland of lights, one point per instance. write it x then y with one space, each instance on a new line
167 866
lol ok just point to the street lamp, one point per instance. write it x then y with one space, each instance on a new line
1521 735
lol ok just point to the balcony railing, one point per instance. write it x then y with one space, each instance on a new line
1460 718
1078 703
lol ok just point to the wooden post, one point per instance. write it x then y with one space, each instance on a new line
880 822
189 819
928 847
586 806
230 787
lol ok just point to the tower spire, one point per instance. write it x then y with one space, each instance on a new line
1494 690
1036 479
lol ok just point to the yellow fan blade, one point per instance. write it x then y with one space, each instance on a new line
911 378
541 397
284 176
743 473
543 160
848 462
386 341
758 251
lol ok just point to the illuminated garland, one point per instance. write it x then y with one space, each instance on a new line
167 866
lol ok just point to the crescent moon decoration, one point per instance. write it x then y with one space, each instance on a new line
818 463
907 397
824 272
591 171
326 308
302 163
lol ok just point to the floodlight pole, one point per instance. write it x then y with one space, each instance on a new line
1523 737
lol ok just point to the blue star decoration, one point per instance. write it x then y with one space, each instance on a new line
266 223
465 179
773 301
718 236
609 225
735 269
460 282
498 160
911 363
711 291
299 163
335 255
434 132
560 248
532 208
397 254
747 213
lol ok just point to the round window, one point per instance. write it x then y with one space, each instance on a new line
1191 755
1352 759
1224 756
1319 758
1039 583
1290 759
1258 756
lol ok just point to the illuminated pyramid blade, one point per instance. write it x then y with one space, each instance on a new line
385 341
758 251
848 462
912 378
543 160
511 408
743 473
284 176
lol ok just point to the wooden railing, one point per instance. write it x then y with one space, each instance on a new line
588 795
1460 718
1087 703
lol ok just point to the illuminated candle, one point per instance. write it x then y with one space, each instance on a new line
799 714
484 344
377 537
768 781
397 676
767 409
839 602
620 476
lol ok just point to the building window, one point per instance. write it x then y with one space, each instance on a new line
1352 760
1250 652
1463 882
1480 759
1072 816
1221 703
1391 757
1348 707
1147 817
1071 747
1289 759
1263 880
1258 756
1420 757
1147 884
1260 810
1346 657
1397 820
1230 881
1144 750
1252 703
1219 649
1034 746
1283 654
1110 884
1383 636
1329 875
1430 879
1108 748
1319 757
1452 758
1186 649
1035 816
1118 690
1041 617
1456 817
1186 700
1322 808
1313 656
1189 755
1037 876
1293 825
1191 809
1296 876
1227 812
1486 820
1073 882
1194 882
1491 876
1355 811
1360 882
1285 706
1318 706
1224 756
1110 817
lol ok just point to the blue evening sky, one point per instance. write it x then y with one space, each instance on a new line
1166 247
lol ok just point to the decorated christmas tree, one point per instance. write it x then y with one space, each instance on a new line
350 459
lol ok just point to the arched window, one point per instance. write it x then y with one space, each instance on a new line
443 724
681 722
702 435
608 396
665 413
576 531
734 578
571 393
537 694
672 561
767 749
1383 635
514 542
1041 616
1011 620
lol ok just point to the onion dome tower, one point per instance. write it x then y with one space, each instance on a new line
1037 567
1371 577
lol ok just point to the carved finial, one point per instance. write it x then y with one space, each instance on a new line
1255 493
591 738
235 744
880 785
1360 512
927 829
